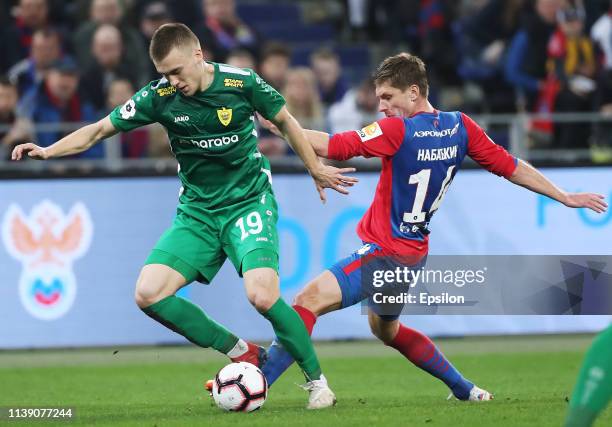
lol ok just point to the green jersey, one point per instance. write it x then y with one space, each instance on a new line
212 133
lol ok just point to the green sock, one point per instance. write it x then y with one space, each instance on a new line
293 336
187 319
593 390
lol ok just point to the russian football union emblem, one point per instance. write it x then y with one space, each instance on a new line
47 242
225 116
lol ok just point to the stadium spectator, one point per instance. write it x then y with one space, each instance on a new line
17 131
119 92
357 18
357 109
274 64
222 30
154 16
55 102
601 33
46 49
328 72
110 12
381 20
435 34
572 69
525 66
109 64
134 144
483 38
186 11
241 58
302 98
273 68
31 15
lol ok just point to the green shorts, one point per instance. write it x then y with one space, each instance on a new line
199 240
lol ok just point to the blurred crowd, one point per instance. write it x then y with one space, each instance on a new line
73 61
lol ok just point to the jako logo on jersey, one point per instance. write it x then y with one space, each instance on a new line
225 116
369 132
426 155
181 119
46 243
212 142
436 133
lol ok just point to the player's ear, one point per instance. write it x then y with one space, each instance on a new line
414 93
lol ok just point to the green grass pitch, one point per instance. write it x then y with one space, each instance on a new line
532 378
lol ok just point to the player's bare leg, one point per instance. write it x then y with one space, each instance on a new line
263 291
423 353
321 295
155 282
155 292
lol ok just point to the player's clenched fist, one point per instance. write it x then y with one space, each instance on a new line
32 150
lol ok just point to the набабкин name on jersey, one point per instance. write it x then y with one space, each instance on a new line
445 153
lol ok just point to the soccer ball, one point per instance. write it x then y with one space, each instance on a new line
240 387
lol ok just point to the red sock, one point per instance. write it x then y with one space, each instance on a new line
414 345
308 317
421 351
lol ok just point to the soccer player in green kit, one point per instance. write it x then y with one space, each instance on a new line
226 208
593 390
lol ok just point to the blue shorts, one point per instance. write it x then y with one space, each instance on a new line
354 275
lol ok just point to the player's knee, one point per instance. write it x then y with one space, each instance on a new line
155 283
143 298
309 298
147 293
262 299
384 331
262 289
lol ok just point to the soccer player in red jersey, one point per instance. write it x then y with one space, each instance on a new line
421 150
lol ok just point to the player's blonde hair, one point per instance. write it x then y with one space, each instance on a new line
169 36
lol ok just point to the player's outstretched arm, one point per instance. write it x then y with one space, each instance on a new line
318 140
529 177
78 141
325 176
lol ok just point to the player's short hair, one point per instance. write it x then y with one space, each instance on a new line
169 36
402 71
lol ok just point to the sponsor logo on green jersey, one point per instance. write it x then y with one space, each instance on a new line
165 91
233 83
212 142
